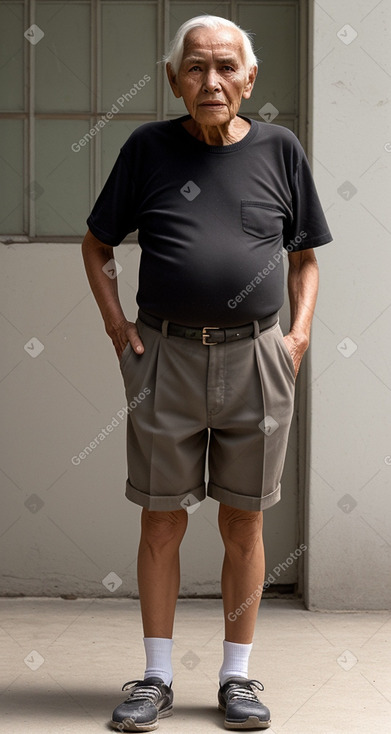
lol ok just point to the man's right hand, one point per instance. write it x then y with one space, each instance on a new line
125 332
96 255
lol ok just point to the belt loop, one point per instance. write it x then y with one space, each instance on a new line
256 329
165 328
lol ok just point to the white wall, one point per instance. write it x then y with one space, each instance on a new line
65 527
65 523
349 503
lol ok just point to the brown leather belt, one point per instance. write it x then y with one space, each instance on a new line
216 334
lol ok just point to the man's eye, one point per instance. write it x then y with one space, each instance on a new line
195 68
228 68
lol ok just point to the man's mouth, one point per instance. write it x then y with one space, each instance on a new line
212 104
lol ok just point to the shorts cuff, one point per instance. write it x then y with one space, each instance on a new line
243 502
187 501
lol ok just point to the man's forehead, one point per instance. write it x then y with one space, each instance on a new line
224 41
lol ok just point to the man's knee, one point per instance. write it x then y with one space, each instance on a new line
161 528
240 530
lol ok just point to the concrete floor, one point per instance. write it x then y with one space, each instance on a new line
63 664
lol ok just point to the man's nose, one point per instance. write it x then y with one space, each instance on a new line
211 81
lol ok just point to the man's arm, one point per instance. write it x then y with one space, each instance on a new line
95 255
303 280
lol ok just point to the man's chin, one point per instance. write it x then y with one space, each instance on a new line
218 115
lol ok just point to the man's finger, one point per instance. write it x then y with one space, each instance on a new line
135 341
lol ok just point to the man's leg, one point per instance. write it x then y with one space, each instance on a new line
242 581
243 571
158 569
158 582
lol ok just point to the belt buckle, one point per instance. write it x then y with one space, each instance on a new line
207 336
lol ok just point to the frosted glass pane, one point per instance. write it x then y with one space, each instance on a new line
290 124
11 155
129 57
63 58
12 45
62 177
275 43
113 138
179 13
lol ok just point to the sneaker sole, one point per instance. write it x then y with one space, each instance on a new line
251 723
132 726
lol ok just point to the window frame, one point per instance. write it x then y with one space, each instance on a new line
29 116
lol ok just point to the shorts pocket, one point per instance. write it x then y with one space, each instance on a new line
261 220
287 352
125 355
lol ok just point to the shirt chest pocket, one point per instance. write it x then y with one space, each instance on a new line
261 220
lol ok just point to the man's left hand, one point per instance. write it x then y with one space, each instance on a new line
296 347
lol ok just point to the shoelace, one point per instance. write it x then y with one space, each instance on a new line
151 693
236 690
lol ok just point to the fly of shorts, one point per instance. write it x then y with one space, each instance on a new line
223 410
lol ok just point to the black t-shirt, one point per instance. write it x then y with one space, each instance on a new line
214 222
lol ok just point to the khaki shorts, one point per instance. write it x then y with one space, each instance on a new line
226 409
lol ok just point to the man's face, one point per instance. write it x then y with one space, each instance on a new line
212 78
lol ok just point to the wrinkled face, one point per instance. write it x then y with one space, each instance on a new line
212 78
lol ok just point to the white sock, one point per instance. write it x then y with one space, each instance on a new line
158 654
235 662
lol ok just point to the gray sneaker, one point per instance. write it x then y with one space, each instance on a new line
243 709
148 701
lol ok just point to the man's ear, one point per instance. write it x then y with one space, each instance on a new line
172 78
252 75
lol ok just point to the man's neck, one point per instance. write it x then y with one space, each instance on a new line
227 134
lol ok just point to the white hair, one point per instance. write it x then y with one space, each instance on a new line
175 53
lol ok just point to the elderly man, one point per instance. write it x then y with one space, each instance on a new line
218 200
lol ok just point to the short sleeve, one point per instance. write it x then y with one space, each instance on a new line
308 226
114 214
